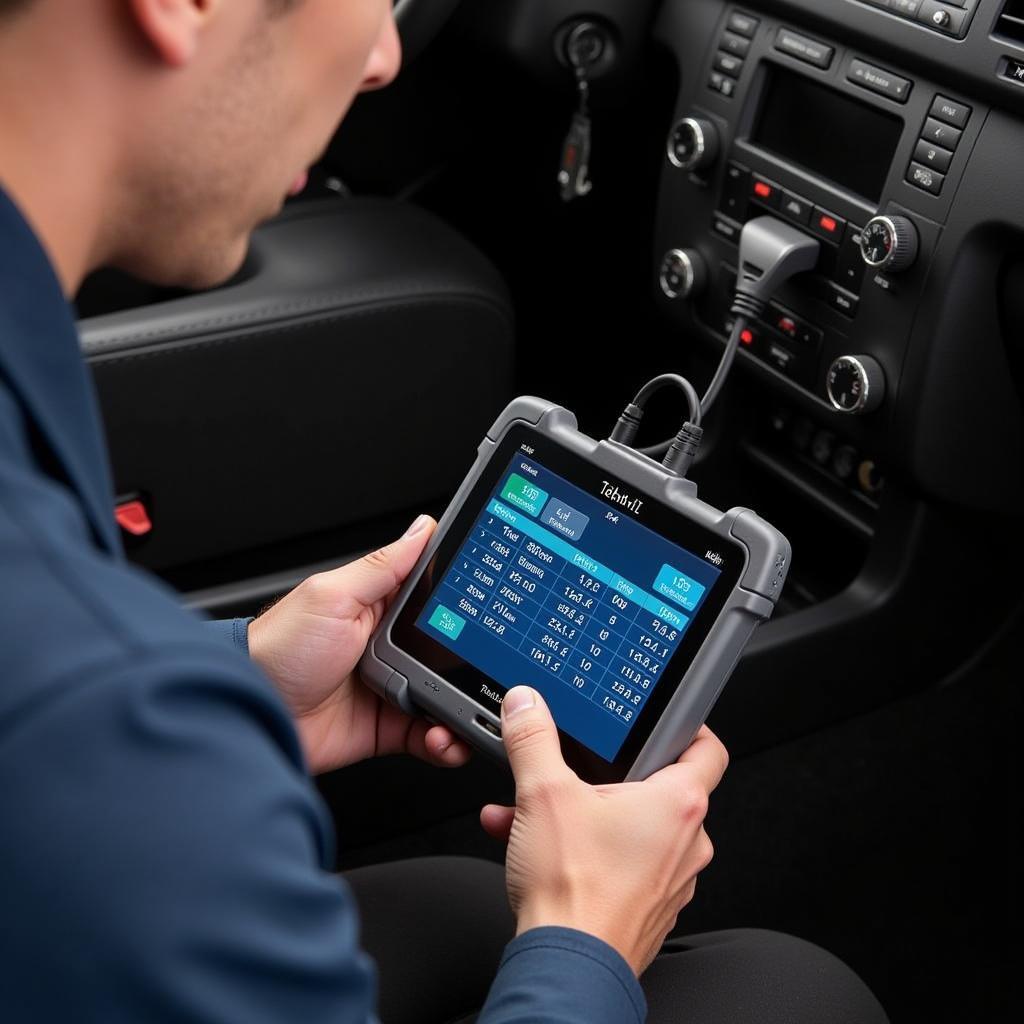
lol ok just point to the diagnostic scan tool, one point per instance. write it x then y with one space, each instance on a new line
586 570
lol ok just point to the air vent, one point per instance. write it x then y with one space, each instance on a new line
1011 22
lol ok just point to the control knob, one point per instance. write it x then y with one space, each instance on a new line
683 273
889 244
693 144
856 384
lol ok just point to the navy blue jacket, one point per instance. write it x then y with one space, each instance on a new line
163 853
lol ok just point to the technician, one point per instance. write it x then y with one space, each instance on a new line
164 854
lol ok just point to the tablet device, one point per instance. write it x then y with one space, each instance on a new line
589 572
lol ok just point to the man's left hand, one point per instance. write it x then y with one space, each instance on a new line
309 644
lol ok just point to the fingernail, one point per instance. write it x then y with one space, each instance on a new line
519 698
419 524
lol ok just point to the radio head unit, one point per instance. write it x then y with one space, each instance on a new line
827 132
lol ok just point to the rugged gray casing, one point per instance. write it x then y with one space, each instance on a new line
403 681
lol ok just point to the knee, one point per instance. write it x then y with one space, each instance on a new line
757 975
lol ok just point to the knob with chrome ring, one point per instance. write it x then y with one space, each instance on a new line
889 244
693 144
683 273
855 384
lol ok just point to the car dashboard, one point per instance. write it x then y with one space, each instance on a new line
901 117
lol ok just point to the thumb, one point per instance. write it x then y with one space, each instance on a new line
531 738
374 576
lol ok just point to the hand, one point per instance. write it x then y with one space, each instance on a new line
309 644
619 862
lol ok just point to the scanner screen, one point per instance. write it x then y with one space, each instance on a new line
568 592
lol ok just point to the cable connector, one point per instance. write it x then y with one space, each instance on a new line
771 252
683 449
628 424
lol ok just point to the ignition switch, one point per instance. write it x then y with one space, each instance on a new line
585 45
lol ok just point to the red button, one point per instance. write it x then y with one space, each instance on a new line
762 189
787 325
133 518
747 336
828 224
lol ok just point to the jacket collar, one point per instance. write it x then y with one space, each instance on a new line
41 358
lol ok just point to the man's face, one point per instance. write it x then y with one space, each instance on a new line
237 126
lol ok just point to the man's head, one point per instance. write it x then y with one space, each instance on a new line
204 113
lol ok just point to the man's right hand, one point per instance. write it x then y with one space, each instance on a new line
619 861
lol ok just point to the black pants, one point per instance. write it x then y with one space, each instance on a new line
437 927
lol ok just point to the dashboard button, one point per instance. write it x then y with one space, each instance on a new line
827 225
796 208
810 51
933 156
944 17
941 134
925 178
843 301
908 8
780 357
765 192
850 268
743 24
885 83
728 64
722 83
734 190
783 321
726 228
736 45
1014 70
951 111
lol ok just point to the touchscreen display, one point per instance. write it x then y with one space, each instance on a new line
568 592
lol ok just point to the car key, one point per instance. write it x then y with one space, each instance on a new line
583 49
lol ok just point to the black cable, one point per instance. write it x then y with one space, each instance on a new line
658 451
629 422
725 364
770 253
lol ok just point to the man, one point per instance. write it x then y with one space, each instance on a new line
165 857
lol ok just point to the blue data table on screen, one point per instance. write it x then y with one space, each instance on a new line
525 602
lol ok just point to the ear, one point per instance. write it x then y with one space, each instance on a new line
172 27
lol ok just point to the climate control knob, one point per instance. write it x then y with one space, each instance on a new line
856 384
693 144
889 244
683 273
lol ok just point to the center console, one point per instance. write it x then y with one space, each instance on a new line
875 411
833 140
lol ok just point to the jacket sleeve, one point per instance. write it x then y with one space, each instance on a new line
232 631
172 857
563 976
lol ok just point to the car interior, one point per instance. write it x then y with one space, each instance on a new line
548 202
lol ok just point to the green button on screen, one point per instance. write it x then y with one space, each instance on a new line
524 494
447 622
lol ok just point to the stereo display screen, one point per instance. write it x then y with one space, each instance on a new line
848 142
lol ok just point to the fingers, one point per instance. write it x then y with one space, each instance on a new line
531 739
437 745
497 821
375 576
705 757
